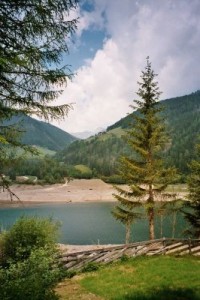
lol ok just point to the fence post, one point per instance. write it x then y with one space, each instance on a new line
164 244
189 244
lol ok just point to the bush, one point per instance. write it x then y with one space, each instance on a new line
124 258
33 278
26 235
29 266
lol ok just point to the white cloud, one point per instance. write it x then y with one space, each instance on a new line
168 31
88 20
100 90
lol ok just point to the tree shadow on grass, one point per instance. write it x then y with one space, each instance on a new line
164 294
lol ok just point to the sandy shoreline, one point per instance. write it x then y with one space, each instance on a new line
77 190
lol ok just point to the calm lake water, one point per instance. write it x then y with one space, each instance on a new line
90 223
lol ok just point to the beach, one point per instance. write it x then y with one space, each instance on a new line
77 190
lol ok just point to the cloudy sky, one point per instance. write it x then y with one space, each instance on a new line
113 39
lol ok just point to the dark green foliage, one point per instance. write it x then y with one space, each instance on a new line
29 266
182 123
114 179
90 267
10 140
26 235
38 133
33 39
47 169
164 293
33 278
193 215
124 258
96 153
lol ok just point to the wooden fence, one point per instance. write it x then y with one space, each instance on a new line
77 260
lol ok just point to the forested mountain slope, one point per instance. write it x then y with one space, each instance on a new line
41 134
102 151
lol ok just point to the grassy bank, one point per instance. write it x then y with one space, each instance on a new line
144 278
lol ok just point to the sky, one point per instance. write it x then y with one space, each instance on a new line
109 50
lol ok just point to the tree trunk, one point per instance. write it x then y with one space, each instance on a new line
174 224
151 223
151 213
128 232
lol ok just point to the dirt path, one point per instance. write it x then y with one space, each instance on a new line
71 289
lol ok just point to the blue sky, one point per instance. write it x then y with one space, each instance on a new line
84 48
109 50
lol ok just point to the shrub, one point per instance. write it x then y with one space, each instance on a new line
33 278
29 265
90 267
124 258
26 235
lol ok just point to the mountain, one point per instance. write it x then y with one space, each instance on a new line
86 134
101 152
41 134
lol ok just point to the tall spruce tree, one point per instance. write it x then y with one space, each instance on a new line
193 215
143 170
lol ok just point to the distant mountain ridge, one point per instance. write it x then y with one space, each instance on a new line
102 151
189 103
86 134
42 134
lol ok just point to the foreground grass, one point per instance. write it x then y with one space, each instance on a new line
144 278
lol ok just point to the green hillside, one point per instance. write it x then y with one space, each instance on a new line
42 134
102 151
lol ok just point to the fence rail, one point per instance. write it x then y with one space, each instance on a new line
78 260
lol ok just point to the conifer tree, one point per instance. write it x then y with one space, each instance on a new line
33 39
143 170
193 215
34 36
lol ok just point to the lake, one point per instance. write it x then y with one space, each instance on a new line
90 223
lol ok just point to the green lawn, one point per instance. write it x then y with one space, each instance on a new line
146 278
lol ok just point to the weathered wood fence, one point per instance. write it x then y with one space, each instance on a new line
77 260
